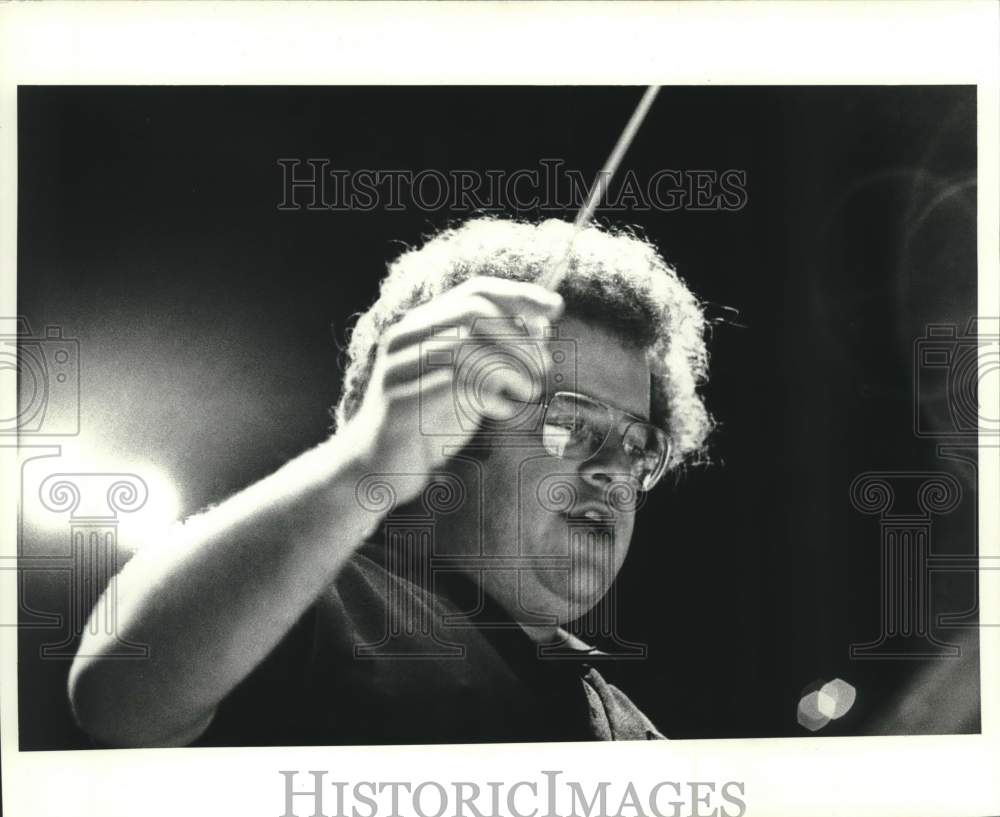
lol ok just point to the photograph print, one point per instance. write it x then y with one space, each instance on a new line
496 414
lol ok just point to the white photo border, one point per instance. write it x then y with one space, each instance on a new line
787 43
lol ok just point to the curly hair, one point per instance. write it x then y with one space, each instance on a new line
613 278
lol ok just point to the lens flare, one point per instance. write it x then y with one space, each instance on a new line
84 464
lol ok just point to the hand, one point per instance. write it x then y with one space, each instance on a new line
439 373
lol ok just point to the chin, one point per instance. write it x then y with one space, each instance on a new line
579 607
551 596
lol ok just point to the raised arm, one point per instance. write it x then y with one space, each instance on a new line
214 597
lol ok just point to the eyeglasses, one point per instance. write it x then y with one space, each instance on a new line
575 427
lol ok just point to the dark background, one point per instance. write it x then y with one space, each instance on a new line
209 320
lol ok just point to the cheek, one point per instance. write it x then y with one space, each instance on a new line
510 502
548 486
623 535
529 482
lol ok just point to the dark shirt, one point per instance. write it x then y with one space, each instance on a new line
381 659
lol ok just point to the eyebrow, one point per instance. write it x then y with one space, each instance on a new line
593 397
641 418
617 408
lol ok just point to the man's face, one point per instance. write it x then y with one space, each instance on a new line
552 532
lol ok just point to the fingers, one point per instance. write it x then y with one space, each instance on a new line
477 352
480 306
439 403
427 387
515 297
438 317
476 367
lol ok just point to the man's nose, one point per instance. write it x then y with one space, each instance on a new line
608 466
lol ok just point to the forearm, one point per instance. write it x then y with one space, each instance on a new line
213 599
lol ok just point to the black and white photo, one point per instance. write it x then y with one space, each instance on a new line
394 412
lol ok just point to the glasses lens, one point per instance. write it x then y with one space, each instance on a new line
575 427
648 450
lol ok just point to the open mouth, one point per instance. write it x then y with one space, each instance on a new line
591 515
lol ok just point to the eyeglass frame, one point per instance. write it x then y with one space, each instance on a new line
616 414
